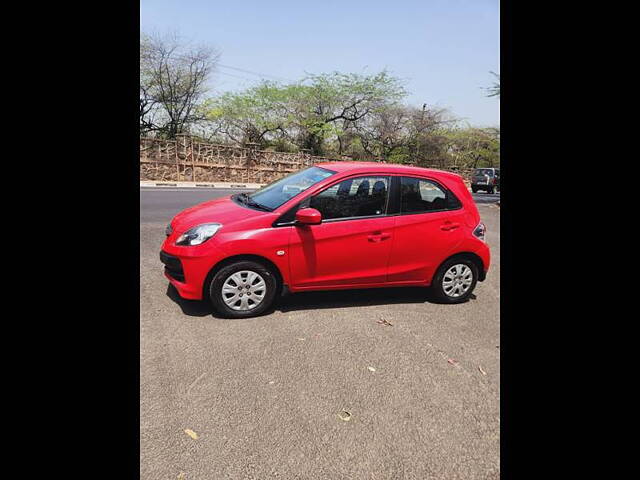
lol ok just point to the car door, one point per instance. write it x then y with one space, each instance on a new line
426 232
352 244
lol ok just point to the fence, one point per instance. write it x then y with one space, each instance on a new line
185 159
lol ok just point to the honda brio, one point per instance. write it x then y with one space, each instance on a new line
332 226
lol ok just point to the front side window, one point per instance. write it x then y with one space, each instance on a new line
419 195
355 197
277 193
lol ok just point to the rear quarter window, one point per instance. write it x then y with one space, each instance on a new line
421 196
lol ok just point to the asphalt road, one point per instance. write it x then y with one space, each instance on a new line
486 197
263 395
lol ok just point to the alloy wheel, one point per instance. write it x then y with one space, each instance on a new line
457 280
244 290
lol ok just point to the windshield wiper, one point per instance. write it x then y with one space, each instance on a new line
252 203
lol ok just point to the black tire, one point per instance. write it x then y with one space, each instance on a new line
215 289
437 284
491 191
474 189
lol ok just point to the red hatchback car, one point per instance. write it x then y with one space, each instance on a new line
331 226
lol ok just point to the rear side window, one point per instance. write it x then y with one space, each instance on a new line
483 171
419 195
355 197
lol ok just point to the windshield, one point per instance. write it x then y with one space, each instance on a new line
277 193
483 171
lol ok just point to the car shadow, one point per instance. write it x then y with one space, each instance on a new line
292 302
193 308
355 298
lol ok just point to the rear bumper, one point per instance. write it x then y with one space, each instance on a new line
482 275
485 255
484 186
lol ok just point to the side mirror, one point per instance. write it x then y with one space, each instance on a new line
308 216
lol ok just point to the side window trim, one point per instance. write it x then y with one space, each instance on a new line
352 179
394 200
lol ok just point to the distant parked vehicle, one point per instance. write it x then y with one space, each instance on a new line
487 179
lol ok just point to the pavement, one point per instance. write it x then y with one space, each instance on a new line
263 397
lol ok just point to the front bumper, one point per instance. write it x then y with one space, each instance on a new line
172 267
187 267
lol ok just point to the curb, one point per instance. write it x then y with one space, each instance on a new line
207 185
201 185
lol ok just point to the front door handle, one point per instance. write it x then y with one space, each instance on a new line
378 236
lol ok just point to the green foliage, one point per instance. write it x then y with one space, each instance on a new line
308 113
329 114
399 155
251 115
475 147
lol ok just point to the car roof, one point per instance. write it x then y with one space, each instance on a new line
380 167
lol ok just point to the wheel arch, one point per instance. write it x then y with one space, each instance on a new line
474 257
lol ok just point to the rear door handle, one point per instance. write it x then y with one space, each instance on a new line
449 226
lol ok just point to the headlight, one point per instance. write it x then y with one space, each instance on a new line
199 234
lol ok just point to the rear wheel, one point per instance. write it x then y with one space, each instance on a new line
474 189
455 280
243 289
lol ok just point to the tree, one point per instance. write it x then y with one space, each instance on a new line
326 105
475 147
384 134
148 104
320 109
173 81
494 90
257 115
428 141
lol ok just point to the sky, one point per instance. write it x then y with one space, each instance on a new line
443 50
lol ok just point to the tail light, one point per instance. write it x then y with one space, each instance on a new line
480 231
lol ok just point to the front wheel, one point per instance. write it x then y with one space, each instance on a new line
455 280
243 289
